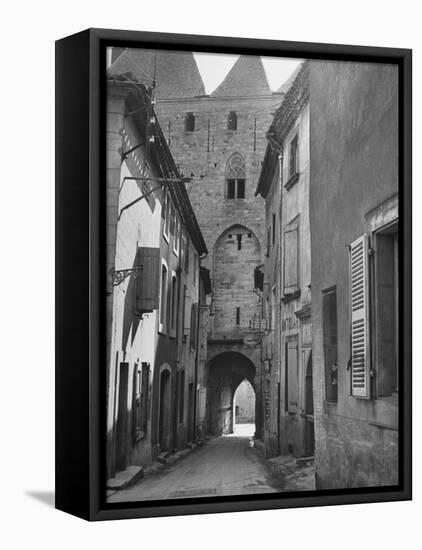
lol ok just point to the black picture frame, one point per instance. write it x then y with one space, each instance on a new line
80 255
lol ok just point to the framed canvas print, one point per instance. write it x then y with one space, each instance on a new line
233 274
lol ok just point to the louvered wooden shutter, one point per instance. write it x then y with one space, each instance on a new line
359 317
291 259
148 280
292 377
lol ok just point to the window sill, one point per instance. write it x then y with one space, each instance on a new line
393 398
289 297
330 405
292 181
162 330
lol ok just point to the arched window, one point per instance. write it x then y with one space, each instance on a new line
235 177
189 122
232 121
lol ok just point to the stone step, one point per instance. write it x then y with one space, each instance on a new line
124 478
163 457
305 461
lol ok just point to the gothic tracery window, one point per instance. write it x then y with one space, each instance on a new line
235 177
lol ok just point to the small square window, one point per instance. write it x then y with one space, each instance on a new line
189 122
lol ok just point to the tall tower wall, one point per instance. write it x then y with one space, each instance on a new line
206 151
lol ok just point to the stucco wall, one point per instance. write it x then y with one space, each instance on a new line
354 167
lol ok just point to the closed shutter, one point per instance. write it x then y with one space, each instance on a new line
292 375
291 259
193 326
148 280
359 317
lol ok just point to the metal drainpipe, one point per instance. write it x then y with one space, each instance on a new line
280 175
195 389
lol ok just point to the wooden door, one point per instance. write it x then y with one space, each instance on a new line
121 424
309 410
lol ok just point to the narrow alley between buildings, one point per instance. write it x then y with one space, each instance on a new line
226 465
221 310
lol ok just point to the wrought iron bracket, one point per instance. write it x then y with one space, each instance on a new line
119 275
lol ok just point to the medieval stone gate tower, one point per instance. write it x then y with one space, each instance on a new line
219 141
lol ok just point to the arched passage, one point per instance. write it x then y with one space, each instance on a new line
244 409
225 372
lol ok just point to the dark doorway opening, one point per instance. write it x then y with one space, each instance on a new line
225 372
164 415
122 414
191 430
309 410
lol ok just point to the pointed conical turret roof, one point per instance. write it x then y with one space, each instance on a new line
177 74
246 78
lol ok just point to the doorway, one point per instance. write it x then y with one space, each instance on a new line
164 411
190 414
309 410
122 414
244 410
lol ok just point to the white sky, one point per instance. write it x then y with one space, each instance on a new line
214 67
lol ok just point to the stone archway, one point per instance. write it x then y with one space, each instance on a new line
225 372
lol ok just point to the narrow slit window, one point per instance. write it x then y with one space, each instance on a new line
232 121
173 302
231 188
238 316
163 295
293 165
241 189
189 122
329 314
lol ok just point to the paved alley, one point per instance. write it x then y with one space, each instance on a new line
227 465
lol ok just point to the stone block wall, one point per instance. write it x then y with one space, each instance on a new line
205 151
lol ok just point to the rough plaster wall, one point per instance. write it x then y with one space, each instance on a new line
354 167
132 339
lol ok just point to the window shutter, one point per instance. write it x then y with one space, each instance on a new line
193 326
291 259
359 317
148 280
292 377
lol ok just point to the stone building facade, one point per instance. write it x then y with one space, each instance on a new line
354 224
154 246
219 141
286 284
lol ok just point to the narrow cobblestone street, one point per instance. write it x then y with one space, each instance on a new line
227 465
